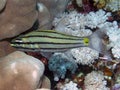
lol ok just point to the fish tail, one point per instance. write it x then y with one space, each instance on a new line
96 42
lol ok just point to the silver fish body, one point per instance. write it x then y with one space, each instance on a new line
48 41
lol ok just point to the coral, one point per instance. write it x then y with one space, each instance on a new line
113 5
113 32
84 55
95 81
45 83
72 23
110 5
116 50
17 17
26 14
93 19
76 24
69 86
59 63
99 3
97 19
20 72
49 10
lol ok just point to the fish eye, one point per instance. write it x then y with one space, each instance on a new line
86 41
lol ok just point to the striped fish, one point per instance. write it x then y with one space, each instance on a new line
48 41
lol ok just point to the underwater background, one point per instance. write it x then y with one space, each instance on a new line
60 45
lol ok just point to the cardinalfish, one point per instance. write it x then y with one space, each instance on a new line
48 41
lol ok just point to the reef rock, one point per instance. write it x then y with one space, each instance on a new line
48 9
2 4
5 48
19 71
17 17
46 84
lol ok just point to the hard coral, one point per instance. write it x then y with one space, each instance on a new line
84 55
17 17
69 86
78 24
72 23
113 33
95 81
113 5
97 19
20 72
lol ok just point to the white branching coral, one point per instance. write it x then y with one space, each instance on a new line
97 19
78 24
84 55
69 86
95 81
113 5
113 32
72 23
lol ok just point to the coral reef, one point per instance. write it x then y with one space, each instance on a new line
69 86
95 81
26 72
17 17
113 5
113 33
85 55
109 5
80 45
49 10
97 19
59 63
72 23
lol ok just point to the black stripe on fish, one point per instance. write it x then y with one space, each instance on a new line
59 33
42 43
44 49
51 37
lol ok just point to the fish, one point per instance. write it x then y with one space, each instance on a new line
48 41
